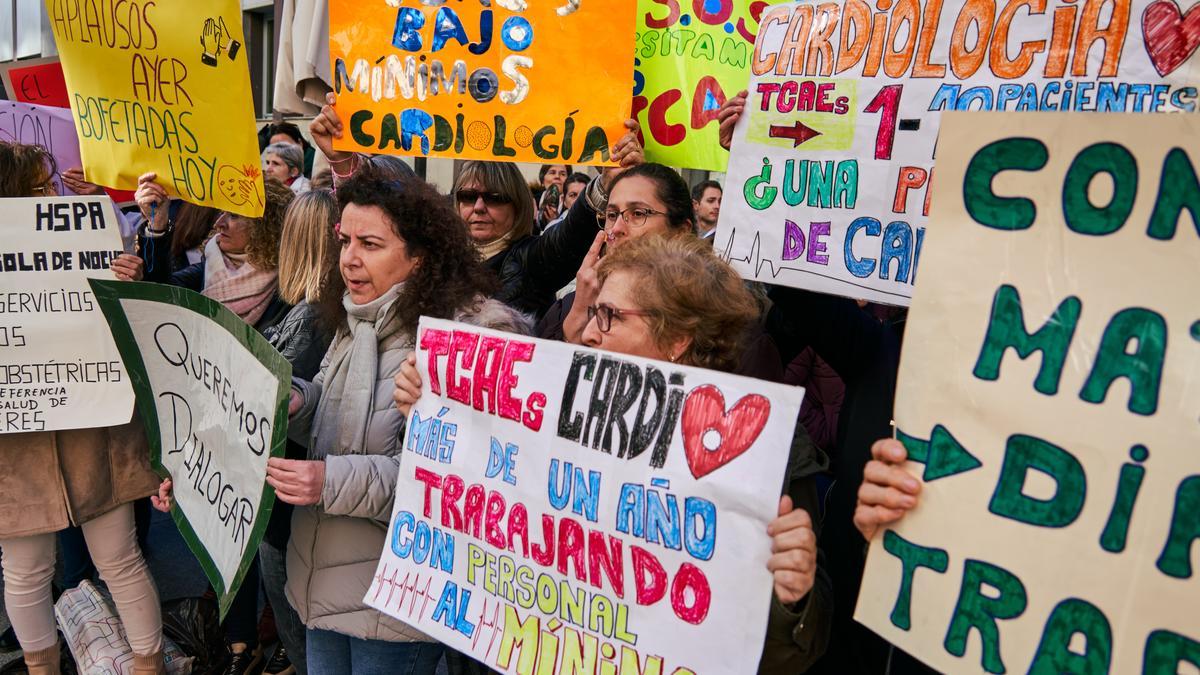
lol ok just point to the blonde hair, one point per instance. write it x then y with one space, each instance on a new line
308 253
688 292
506 179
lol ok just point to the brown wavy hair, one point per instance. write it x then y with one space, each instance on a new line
262 247
689 292
24 168
450 277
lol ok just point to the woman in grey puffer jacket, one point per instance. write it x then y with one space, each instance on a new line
404 254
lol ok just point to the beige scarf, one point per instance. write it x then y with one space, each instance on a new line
494 247
231 280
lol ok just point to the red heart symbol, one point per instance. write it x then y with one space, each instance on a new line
1170 35
704 411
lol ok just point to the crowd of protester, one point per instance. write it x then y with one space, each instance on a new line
335 275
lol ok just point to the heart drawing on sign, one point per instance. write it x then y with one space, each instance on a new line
1170 35
713 437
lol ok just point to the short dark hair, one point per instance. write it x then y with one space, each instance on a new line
450 277
291 130
577 178
699 189
670 188
546 168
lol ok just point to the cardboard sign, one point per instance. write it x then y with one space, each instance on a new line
167 90
51 128
571 509
213 395
1048 397
691 56
59 368
829 179
36 81
509 80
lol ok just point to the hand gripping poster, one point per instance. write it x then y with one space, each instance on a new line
832 162
505 80
212 394
1049 400
565 510
164 88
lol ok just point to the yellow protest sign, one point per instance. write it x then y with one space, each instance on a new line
162 89
691 56
542 81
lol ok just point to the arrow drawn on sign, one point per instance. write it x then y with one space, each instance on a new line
942 454
799 133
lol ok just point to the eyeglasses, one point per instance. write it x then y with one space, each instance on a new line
603 313
489 198
633 217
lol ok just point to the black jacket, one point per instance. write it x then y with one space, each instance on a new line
192 278
302 340
535 267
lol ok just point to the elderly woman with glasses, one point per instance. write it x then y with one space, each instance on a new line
673 299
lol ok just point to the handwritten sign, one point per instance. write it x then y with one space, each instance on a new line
51 128
36 81
691 56
567 508
509 80
59 368
829 179
165 90
213 396
1048 397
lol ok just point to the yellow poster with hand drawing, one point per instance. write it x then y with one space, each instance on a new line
164 88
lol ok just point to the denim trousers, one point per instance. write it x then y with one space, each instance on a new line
332 653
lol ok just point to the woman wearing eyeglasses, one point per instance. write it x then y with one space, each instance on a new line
673 299
87 477
648 199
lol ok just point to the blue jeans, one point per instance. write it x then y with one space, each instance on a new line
332 653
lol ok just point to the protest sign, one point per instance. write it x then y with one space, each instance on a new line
213 395
828 185
36 81
163 90
51 128
544 517
691 56
1048 398
525 82
59 368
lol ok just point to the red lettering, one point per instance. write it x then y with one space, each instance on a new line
452 489
437 343
672 16
431 481
700 116
570 548
510 408
462 348
766 89
601 558
491 529
823 104
649 577
537 405
487 372
518 526
543 554
473 510
663 132
690 576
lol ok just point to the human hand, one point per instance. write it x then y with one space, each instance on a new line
325 127
888 491
295 403
408 385
626 152
162 501
152 197
128 267
728 116
296 481
793 560
73 179
587 289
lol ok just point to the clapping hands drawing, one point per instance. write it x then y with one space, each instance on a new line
215 38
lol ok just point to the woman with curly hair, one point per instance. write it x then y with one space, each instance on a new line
404 254
238 267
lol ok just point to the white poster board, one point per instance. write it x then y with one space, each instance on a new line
213 396
1049 391
59 368
832 161
561 508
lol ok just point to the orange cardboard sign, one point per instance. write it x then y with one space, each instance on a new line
514 80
